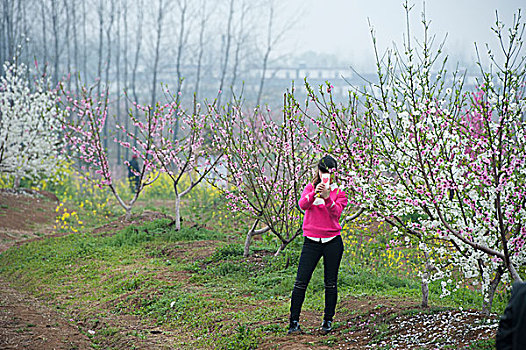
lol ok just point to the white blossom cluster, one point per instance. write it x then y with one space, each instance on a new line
445 166
443 173
30 139
438 330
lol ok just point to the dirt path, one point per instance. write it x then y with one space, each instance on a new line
374 322
27 324
25 215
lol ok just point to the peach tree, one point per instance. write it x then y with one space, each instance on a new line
266 163
443 166
174 143
83 133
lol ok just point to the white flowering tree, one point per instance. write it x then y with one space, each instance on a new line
457 161
30 142
445 168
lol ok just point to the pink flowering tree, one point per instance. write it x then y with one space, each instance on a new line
184 155
83 132
444 168
266 164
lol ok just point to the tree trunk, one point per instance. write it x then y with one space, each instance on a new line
2 38
117 78
101 38
54 21
514 274
239 43
488 298
128 214
16 182
84 40
267 54
25 27
177 211
281 247
246 251
126 206
182 39
9 30
138 45
251 233
425 290
180 46
75 45
44 32
227 52
201 49
126 119
108 61
136 62
425 280
157 50
67 41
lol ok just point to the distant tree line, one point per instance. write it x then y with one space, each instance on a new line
201 47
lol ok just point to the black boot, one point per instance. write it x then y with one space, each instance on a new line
326 326
294 328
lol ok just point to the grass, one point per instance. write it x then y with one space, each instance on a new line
121 271
483 344
195 280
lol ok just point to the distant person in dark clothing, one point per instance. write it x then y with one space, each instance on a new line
512 326
133 171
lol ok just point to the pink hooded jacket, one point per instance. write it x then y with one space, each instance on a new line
322 215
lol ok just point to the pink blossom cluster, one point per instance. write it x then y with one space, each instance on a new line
266 162
83 132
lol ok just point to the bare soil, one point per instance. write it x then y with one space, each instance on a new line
24 215
27 324
116 225
372 322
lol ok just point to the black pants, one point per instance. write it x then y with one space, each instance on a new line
311 253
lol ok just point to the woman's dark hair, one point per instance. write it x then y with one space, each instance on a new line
325 165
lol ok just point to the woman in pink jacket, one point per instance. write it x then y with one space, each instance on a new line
323 206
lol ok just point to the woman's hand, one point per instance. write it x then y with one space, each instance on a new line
322 191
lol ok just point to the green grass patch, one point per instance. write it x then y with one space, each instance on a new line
161 230
482 344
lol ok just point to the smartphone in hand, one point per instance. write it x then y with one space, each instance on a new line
326 180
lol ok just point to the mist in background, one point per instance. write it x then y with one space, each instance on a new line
339 29
222 50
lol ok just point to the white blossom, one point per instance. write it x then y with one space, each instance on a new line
29 125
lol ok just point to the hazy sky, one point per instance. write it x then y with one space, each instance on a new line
341 26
